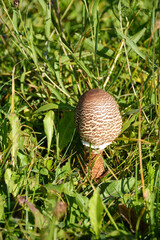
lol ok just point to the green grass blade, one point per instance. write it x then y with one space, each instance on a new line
95 23
79 62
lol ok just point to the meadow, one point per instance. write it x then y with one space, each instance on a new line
51 52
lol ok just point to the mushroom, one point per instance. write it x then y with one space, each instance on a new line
98 121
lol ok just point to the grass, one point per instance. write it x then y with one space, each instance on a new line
52 52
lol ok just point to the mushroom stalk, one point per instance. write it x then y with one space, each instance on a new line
94 162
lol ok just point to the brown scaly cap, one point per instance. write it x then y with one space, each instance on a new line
97 118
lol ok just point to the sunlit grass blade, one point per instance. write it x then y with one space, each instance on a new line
34 54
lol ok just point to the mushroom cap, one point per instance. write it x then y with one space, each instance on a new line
97 118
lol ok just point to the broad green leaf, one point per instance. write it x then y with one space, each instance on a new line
128 123
96 212
117 188
43 4
50 106
14 135
57 94
47 13
69 188
44 171
55 188
40 220
13 181
51 201
46 107
48 22
48 163
2 202
66 169
15 19
138 35
119 234
82 202
23 158
7 176
63 172
66 129
48 123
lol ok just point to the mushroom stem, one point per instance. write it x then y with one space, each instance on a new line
94 160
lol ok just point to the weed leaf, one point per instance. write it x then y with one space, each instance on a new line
14 135
66 129
131 44
48 123
118 188
96 212
13 181
50 106
1 207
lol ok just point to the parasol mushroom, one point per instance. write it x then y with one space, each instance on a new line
98 121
